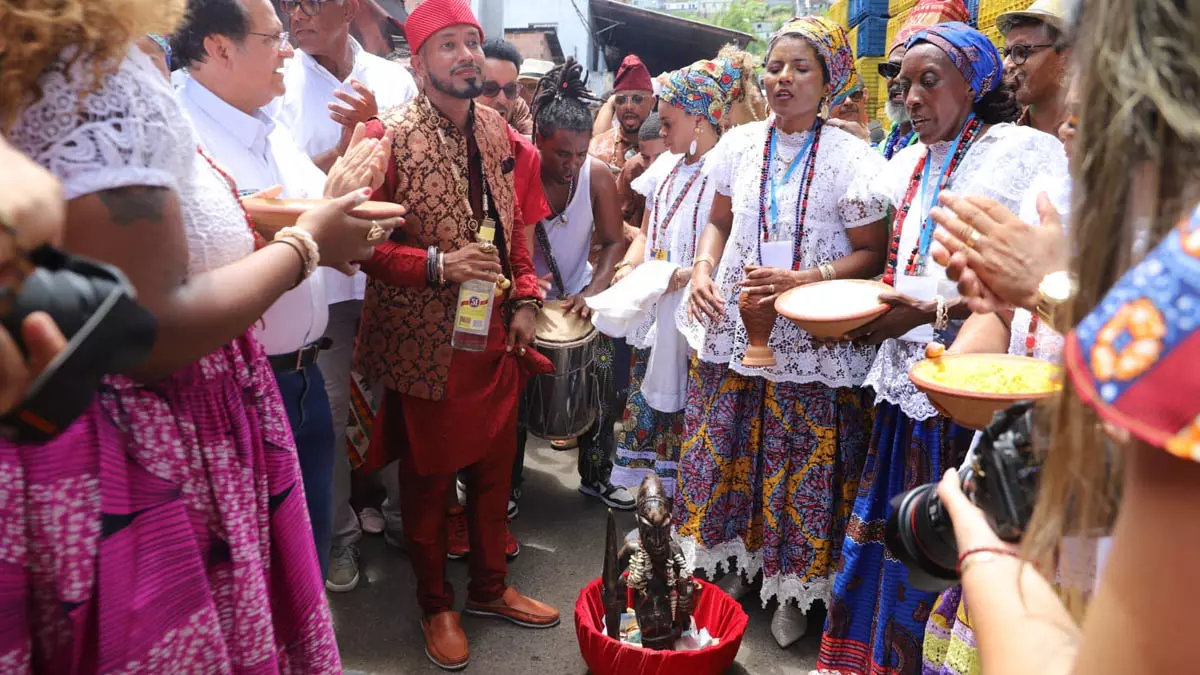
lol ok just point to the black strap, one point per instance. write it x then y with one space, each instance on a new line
492 212
543 239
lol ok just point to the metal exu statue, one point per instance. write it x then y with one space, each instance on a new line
664 593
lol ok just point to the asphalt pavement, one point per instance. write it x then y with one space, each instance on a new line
562 544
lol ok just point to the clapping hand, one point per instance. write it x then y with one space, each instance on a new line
363 165
352 108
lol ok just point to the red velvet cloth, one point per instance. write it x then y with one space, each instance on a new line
432 16
716 611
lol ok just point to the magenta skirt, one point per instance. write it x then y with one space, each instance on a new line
165 531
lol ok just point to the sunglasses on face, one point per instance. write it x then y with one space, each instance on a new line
889 70
493 89
310 8
636 99
1021 53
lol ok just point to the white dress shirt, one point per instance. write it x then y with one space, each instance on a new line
304 110
259 154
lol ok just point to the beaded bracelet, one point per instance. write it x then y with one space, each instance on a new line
312 255
942 319
827 272
522 303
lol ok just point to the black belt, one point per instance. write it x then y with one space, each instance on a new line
301 358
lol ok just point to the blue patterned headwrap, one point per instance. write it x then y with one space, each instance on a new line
971 52
705 88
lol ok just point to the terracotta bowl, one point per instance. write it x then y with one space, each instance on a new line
809 306
974 409
272 215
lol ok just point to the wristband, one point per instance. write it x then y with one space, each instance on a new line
984 554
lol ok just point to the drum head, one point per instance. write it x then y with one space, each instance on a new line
556 326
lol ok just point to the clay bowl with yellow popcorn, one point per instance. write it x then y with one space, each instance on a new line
971 388
830 309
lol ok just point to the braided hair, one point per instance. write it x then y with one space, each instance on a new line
561 101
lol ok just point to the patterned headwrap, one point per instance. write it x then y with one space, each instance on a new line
971 52
1136 358
928 13
831 42
705 88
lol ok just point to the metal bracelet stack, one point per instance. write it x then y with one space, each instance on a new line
433 267
827 272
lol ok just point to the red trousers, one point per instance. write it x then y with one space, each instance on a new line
423 513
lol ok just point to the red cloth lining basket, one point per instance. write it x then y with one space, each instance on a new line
716 611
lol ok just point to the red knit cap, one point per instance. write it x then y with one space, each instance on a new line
432 16
633 76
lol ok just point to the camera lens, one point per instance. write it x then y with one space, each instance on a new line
920 535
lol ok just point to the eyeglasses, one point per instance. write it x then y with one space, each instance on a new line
280 39
310 8
637 99
1021 53
857 96
889 70
493 89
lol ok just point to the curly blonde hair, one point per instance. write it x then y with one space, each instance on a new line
750 105
35 33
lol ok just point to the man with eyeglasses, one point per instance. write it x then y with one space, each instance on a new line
1036 60
926 13
331 85
501 91
633 101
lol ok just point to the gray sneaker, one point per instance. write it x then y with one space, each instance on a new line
343 569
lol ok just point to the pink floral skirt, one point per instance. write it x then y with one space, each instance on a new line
165 531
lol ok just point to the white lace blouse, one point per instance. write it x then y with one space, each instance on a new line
130 131
838 201
1004 164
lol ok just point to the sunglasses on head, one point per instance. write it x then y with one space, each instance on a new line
624 99
310 8
889 70
1021 53
493 89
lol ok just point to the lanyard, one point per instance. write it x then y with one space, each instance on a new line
927 226
772 200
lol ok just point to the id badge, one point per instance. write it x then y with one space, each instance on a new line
921 288
661 254
778 254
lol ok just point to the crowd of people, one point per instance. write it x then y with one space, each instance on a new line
1035 200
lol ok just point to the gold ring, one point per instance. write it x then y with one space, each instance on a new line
487 247
973 239
502 282
376 235
772 291
521 351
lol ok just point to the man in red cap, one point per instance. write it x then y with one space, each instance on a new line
633 100
444 409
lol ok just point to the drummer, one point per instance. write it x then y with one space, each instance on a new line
582 194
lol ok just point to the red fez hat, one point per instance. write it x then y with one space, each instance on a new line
633 76
432 16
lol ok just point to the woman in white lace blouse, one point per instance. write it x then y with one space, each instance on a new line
165 530
959 109
770 454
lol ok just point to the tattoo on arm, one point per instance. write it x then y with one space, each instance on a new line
128 205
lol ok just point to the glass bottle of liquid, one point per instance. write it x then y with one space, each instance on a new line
475 299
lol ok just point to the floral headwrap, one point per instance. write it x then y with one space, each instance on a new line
971 52
705 88
831 43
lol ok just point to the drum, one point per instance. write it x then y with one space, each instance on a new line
564 404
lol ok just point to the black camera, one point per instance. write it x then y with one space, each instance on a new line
1000 477
107 331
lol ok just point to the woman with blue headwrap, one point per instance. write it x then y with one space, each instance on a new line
771 454
961 113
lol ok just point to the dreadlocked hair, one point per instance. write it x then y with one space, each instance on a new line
561 101
1135 168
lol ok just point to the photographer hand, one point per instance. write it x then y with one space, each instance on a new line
44 341
971 528
31 202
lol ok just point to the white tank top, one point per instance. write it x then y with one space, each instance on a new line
570 236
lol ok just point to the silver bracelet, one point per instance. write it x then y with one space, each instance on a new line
942 318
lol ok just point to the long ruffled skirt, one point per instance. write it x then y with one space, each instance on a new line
876 622
649 440
165 531
767 476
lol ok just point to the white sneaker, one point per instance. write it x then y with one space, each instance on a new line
371 519
343 569
789 624
734 585
614 496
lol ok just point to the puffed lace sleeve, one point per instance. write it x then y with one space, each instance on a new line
1020 160
653 176
861 204
721 164
126 129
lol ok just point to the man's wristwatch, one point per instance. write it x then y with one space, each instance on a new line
1054 292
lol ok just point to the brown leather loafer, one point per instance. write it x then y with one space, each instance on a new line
516 608
445 641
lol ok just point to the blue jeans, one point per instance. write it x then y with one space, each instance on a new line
309 414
